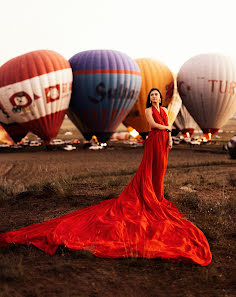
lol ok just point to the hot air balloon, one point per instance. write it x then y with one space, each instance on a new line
207 86
35 90
4 136
155 74
14 130
106 84
185 122
233 117
174 106
231 147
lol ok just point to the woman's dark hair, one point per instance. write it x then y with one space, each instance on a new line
149 104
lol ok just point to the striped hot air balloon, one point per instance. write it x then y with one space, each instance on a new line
155 74
35 90
207 86
106 84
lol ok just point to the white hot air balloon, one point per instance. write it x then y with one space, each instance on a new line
207 86
174 106
185 122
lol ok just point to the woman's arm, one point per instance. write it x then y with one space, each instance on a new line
170 143
152 123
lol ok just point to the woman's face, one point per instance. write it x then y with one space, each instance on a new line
155 97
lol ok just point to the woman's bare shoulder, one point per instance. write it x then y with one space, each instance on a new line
148 109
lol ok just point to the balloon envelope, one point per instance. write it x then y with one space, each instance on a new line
4 136
231 147
207 86
35 91
106 84
185 122
15 130
174 106
155 74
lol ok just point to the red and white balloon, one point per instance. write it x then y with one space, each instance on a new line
35 91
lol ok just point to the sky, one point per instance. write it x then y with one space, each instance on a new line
171 31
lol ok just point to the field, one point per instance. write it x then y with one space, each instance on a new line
40 185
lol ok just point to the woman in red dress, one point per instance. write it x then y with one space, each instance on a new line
139 223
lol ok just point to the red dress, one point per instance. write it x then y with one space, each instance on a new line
139 223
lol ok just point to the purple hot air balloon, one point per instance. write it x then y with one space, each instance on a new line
106 84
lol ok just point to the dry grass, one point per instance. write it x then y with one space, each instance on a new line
50 184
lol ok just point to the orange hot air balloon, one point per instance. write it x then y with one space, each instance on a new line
155 74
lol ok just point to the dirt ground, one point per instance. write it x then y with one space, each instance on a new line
39 185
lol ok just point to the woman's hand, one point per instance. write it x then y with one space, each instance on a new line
168 128
170 143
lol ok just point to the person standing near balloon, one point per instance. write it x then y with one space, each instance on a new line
154 99
154 74
138 223
161 140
